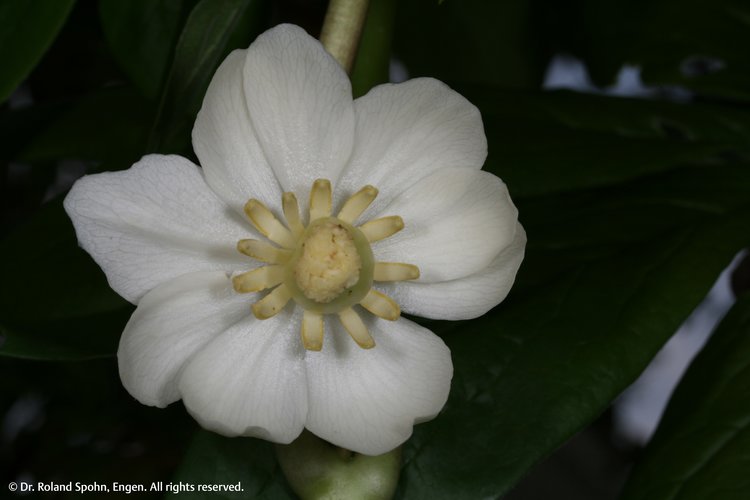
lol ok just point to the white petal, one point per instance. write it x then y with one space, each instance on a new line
300 104
250 381
154 222
456 222
463 298
225 142
368 400
407 131
171 323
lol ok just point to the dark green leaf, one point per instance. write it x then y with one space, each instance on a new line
54 300
28 28
566 230
247 462
677 42
110 126
142 34
214 28
700 450
536 371
471 41
541 143
19 126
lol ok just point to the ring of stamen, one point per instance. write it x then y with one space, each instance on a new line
326 267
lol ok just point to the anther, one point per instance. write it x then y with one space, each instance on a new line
263 251
272 303
356 328
378 229
291 213
381 305
258 279
357 203
320 199
265 222
312 331
395 271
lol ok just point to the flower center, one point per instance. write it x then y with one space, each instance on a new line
327 267
331 268
329 262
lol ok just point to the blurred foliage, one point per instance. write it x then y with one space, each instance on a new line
701 447
632 208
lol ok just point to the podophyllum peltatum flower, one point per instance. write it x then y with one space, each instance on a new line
266 319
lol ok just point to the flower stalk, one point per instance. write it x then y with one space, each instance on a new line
342 29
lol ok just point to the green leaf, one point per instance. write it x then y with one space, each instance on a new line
374 55
542 143
705 49
471 41
566 231
141 35
247 462
214 28
29 27
674 42
110 126
700 449
20 126
540 368
55 302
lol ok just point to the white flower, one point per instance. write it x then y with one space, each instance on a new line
277 121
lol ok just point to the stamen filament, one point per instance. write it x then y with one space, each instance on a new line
312 331
381 305
394 271
267 223
258 279
378 229
356 328
320 199
291 212
263 251
357 203
272 303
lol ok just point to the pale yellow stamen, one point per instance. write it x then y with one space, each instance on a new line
291 212
320 199
356 328
357 203
378 229
395 271
264 252
265 222
326 266
258 279
312 331
381 305
272 303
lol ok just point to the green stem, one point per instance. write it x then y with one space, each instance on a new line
342 29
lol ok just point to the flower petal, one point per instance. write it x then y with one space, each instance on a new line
407 131
171 323
368 400
463 298
225 142
300 104
250 381
456 222
154 222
